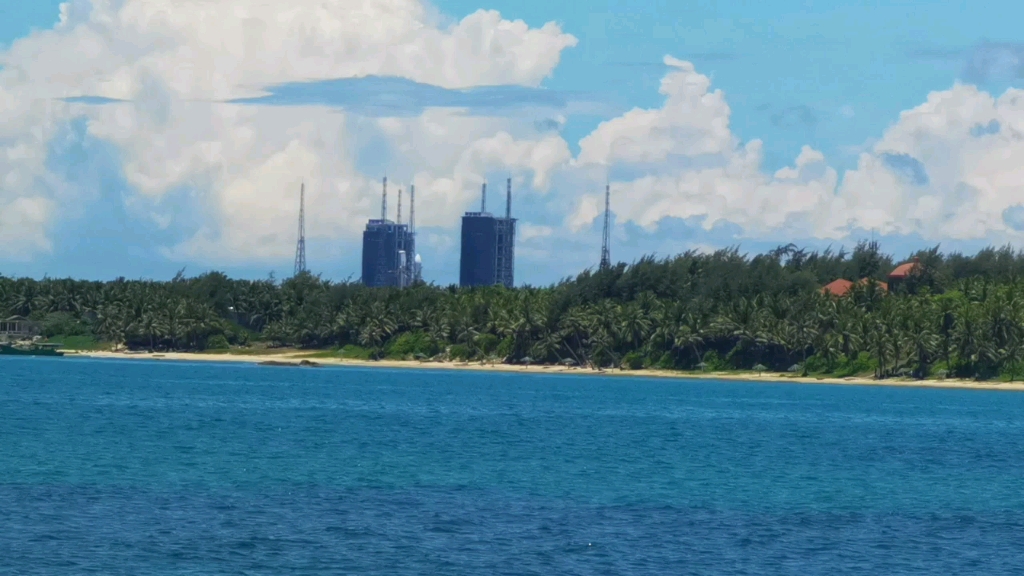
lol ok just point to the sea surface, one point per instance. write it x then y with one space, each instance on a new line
136 468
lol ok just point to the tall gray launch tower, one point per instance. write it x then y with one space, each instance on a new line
300 247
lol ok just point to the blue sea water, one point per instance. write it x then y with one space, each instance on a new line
131 467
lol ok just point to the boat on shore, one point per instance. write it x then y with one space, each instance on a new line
30 350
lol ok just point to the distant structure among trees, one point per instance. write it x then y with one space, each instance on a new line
488 245
389 247
950 314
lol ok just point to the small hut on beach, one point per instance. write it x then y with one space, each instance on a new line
17 328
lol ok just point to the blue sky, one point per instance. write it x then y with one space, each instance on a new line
830 75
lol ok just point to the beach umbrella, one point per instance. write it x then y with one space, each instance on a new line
527 360
702 366
794 368
568 362
420 357
760 368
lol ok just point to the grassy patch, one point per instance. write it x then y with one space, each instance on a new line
84 343
349 352
252 351
862 365
355 352
330 353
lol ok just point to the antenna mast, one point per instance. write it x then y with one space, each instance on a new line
412 208
508 199
384 201
300 248
398 220
606 258
483 198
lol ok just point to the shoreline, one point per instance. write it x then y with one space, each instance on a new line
294 358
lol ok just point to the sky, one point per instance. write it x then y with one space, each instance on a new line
142 137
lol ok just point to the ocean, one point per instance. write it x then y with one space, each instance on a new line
137 468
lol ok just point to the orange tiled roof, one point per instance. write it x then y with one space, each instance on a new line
842 286
838 287
904 270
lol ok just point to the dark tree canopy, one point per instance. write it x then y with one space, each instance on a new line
956 313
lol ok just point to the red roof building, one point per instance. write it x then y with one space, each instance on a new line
838 287
902 271
843 286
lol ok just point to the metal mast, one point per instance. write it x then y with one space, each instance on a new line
483 198
606 258
398 219
508 199
412 208
414 272
384 201
300 248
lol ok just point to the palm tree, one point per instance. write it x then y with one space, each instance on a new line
922 335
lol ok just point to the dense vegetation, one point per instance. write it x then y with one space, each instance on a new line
958 314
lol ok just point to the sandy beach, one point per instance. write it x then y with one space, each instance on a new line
296 357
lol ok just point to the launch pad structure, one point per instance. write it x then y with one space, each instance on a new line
488 245
389 247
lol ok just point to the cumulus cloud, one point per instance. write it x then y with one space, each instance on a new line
961 168
693 121
233 48
28 193
951 168
526 231
703 171
172 63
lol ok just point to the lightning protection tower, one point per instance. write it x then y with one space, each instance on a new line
606 257
300 247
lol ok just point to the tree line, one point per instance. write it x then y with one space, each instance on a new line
958 315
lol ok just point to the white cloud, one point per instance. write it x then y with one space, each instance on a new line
693 121
588 208
959 157
22 226
171 59
448 155
696 168
229 48
970 147
28 194
948 169
526 231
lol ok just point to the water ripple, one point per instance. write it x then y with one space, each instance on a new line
152 468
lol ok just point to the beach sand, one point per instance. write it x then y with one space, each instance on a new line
295 357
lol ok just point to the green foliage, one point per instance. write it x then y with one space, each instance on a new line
665 362
715 363
487 343
460 352
861 365
64 323
82 343
633 361
724 310
217 342
353 352
410 344
816 364
505 347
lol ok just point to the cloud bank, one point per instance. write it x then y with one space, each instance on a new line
167 66
158 80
